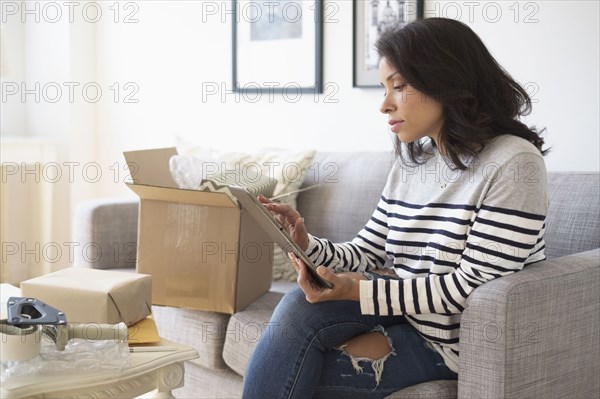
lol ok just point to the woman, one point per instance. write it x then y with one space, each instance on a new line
465 203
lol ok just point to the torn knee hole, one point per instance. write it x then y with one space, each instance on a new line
373 345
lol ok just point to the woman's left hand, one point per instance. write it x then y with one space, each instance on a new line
345 285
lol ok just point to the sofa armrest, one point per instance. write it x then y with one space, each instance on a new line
106 234
534 333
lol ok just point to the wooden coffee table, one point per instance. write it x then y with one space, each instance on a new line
147 371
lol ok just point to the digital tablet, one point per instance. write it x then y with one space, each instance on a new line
276 231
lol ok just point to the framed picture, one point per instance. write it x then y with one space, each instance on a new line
371 17
278 46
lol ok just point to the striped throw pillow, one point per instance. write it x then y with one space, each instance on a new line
254 184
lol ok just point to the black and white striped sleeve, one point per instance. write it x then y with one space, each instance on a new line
366 251
506 234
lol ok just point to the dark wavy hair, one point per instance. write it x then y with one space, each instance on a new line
445 60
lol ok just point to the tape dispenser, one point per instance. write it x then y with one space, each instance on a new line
29 318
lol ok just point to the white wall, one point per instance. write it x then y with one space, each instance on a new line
12 42
551 46
175 47
171 55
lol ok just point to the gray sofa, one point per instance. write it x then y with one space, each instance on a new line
533 334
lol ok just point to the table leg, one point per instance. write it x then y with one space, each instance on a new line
169 377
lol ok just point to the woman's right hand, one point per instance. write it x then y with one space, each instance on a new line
290 219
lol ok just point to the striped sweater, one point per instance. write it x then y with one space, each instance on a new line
445 232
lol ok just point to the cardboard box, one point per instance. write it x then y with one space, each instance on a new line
203 251
94 296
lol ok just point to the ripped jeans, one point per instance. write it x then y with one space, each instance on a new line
300 354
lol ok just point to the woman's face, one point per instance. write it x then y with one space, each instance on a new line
411 114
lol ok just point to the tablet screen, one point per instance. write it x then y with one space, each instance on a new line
276 231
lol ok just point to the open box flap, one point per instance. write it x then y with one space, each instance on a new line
151 167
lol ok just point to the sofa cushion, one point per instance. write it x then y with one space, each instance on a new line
204 383
245 329
350 187
283 287
204 331
572 223
440 389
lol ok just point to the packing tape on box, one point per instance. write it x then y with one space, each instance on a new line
19 343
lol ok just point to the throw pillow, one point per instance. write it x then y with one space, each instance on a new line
189 173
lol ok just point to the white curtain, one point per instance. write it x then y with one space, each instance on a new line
34 211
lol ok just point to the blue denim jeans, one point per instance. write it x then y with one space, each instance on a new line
299 354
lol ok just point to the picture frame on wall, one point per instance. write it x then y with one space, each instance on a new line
371 18
278 46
